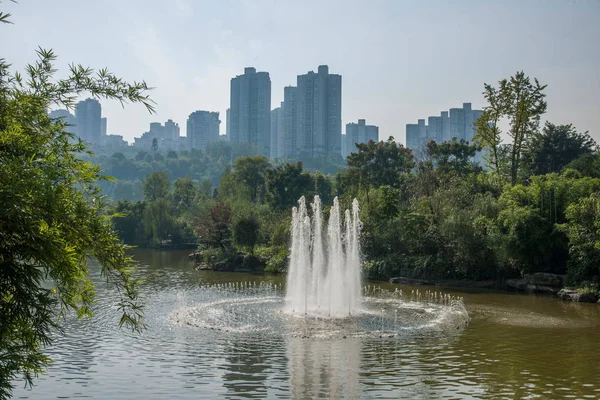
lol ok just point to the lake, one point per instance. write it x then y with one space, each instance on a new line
515 346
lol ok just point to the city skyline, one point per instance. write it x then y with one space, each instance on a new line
421 56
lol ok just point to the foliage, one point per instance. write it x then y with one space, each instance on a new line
583 231
286 184
381 163
246 232
251 172
555 147
213 228
453 157
53 216
157 186
522 103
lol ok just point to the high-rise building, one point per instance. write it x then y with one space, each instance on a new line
88 114
358 133
289 139
228 126
171 130
103 123
457 123
167 137
277 131
250 110
202 129
319 113
67 117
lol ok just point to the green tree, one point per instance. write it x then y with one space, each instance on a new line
214 227
252 172
184 192
157 186
287 183
154 146
158 221
556 146
583 230
522 103
246 232
377 164
453 157
53 216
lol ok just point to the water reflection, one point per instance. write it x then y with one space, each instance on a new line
324 368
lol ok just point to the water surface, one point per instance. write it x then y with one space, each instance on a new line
516 346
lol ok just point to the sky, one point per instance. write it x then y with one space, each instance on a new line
400 60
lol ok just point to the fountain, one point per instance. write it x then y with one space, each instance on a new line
323 296
324 272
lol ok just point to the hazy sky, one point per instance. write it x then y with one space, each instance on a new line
399 60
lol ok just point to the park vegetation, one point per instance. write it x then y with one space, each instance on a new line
530 205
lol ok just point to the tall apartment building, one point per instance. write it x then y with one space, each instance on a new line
228 124
250 110
103 126
202 129
172 130
289 138
457 123
358 133
319 113
67 117
277 131
88 114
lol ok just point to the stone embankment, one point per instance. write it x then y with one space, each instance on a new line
238 263
539 282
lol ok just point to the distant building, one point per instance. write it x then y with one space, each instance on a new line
103 123
457 123
67 117
358 133
250 110
277 131
202 129
167 137
288 142
88 114
114 144
319 113
171 131
228 124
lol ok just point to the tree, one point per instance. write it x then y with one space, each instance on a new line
556 146
252 172
380 163
53 216
158 222
213 228
245 232
154 146
584 241
157 186
287 183
522 103
183 193
453 157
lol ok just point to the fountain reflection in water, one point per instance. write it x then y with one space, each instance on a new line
324 271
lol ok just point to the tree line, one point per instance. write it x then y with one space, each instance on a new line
533 206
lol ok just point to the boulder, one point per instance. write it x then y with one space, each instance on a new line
252 264
466 283
202 267
196 256
410 281
223 266
573 295
544 279
538 282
